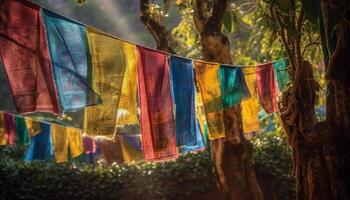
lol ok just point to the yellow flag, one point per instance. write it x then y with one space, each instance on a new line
66 140
3 140
250 107
130 153
200 112
108 68
127 112
32 126
209 86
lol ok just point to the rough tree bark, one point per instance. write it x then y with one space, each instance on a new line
232 155
320 150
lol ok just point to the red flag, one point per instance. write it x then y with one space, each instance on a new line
25 55
157 121
267 87
10 127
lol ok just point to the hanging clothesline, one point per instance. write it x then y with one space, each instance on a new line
163 52
40 121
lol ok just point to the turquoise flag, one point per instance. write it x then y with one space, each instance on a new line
282 75
233 86
22 134
71 61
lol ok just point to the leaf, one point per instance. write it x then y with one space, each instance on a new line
228 21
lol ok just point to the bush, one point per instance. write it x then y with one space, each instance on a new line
188 176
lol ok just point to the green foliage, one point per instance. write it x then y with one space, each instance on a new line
188 176
272 162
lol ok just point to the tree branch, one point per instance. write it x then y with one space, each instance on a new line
159 32
199 17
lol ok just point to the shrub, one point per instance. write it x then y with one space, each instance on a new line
188 176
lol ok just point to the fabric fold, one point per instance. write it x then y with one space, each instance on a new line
267 87
33 127
3 137
71 62
131 147
108 68
209 85
233 86
250 107
40 147
281 72
26 58
127 109
66 141
22 134
183 90
10 127
157 121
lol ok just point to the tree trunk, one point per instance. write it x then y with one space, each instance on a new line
321 151
232 155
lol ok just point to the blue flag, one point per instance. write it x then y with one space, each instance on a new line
183 90
71 61
41 146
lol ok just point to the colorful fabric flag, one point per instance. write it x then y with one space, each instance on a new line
131 147
40 147
250 107
66 140
201 118
3 137
33 127
22 134
157 121
70 60
127 109
232 85
10 127
89 144
108 68
209 85
26 58
267 87
281 72
199 145
183 90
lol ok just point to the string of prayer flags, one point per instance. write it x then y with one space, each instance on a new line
10 128
157 121
71 62
22 133
183 89
250 107
131 147
267 87
26 58
108 68
41 147
209 85
281 72
232 85
66 140
3 136
127 109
